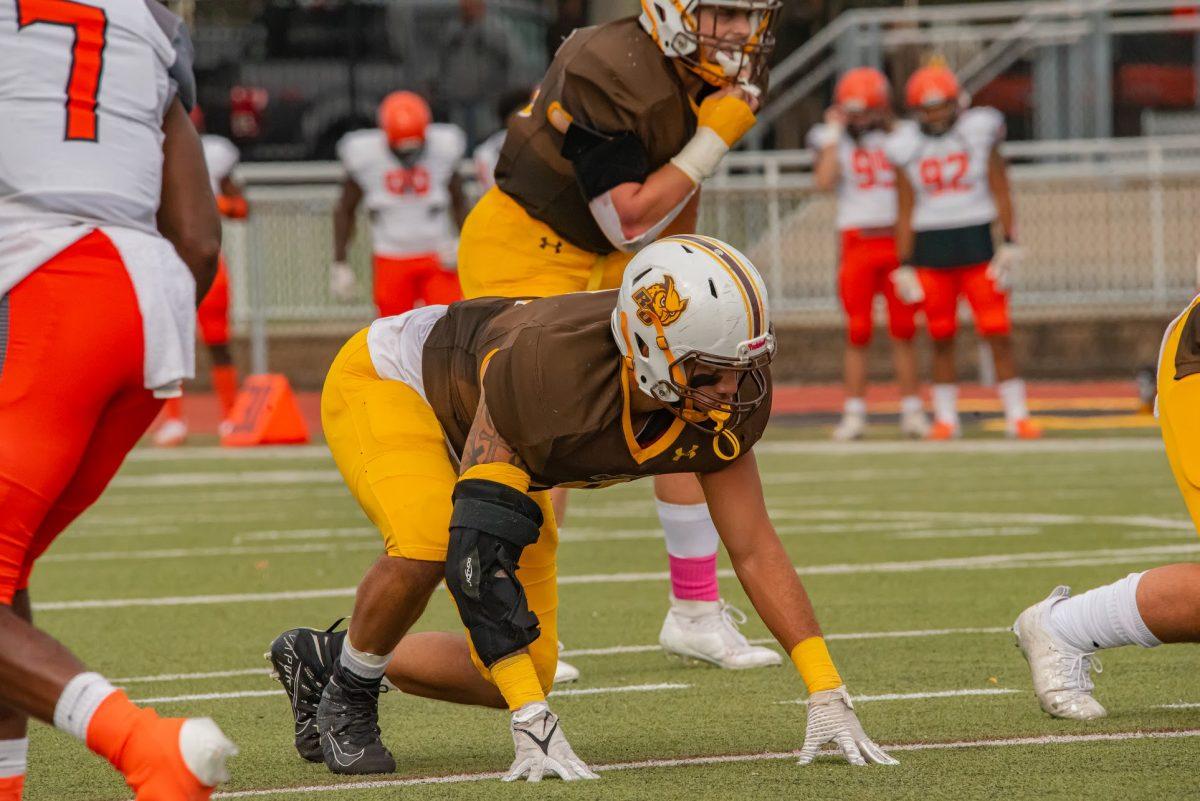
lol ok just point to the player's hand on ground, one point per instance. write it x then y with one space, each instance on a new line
831 719
1004 265
542 748
908 284
342 281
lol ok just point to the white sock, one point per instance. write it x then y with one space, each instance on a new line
79 701
945 404
855 407
688 529
1106 617
911 404
362 664
1012 393
14 756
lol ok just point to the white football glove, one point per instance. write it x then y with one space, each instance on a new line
831 719
542 747
1004 264
908 284
342 281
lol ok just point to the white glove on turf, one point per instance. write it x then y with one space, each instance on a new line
542 747
1004 265
908 284
342 281
831 719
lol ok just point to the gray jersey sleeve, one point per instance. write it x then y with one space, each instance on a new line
183 81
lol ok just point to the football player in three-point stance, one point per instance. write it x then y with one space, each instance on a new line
1061 635
668 374
850 161
109 232
629 120
221 157
406 171
952 186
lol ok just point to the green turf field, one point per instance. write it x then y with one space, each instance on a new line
917 557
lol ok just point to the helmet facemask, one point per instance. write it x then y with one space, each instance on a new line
708 412
696 38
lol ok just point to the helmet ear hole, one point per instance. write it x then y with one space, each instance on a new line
643 348
712 287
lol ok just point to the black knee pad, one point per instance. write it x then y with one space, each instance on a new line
491 525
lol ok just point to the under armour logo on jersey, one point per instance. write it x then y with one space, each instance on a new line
680 453
546 245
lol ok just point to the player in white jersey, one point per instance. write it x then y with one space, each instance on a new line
850 161
487 153
952 188
222 157
406 171
98 163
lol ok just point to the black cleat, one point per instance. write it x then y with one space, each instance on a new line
348 719
303 660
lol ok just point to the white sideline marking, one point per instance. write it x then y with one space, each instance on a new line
240 478
1180 705
305 534
628 688
1133 521
959 533
971 446
186 454
721 759
215 674
193 553
1013 561
919 696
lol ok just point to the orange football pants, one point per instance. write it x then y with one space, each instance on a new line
944 285
213 314
72 401
866 269
401 282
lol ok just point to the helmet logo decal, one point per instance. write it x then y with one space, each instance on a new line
661 302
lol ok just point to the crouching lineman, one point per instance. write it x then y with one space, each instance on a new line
631 117
952 185
1060 635
406 171
850 160
669 373
109 232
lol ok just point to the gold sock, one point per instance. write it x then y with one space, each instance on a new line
518 681
812 659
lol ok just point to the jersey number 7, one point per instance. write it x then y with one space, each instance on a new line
90 25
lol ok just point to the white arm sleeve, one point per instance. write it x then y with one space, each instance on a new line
606 216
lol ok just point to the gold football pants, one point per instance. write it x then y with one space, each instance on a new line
505 252
1179 416
390 449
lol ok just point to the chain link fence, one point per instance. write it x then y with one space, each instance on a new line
1109 228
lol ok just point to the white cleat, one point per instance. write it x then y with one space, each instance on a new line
852 427
914 424
565 673
1062 678
708 631
204 748
171 433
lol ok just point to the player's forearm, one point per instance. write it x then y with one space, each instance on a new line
642 206
187 213
826 172
1002 193
343 233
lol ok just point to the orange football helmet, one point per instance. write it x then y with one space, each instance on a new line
862 89
932 86
404 116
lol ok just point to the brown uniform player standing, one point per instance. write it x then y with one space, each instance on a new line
629 120
668 375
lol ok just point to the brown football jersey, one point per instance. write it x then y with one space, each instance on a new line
559 395
613 79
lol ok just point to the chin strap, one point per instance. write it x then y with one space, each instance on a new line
720 432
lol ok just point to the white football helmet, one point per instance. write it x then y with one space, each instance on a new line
692 300
675 27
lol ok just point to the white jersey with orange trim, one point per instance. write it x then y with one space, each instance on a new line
487 156
949 173
866 191
221 157
410 205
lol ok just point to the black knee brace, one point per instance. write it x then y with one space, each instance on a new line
491 525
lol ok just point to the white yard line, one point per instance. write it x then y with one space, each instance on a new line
723 759
970 692
967 533
969 446
189 454
305 534
578 691
1012 561
1180 705
232 478
213 674
195 553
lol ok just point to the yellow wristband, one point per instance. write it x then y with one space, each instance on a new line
729 116
506 474
518 681
812 659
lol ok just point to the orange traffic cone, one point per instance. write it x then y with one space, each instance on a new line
265 413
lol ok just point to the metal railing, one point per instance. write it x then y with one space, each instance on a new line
1109 227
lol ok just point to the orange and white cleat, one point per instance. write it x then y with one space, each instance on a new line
941 431
171 433
1025 428
176 759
